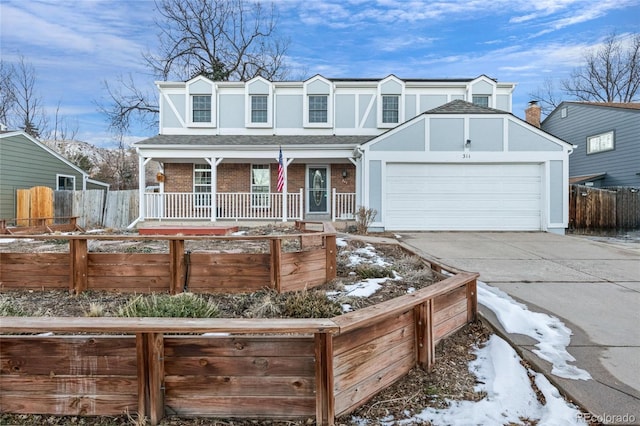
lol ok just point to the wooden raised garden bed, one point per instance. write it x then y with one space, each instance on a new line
251 368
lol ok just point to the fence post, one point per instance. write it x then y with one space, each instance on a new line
176 266
330 249
79 265
425 348
325 400
150 359
472 301
276 264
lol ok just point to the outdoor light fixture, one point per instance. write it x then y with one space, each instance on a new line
344 173
467 144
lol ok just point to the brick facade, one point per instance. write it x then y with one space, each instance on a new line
234 177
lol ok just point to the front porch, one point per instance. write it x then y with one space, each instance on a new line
243 206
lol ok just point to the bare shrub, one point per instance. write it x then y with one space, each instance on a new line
364 218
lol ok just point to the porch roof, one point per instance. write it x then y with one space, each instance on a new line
252 140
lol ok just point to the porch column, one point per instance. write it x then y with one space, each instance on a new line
142 162
285 191
213 162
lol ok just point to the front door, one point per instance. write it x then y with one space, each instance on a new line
317 189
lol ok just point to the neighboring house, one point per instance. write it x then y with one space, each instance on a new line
425 154
607 136
25 163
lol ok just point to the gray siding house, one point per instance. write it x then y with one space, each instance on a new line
607 136
426 154
25 163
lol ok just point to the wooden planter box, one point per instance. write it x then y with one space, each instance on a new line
253 368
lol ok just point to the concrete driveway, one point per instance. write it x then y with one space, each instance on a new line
592 286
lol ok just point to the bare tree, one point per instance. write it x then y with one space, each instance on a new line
221 39
28 112
547 96
7 97
611 73
62 129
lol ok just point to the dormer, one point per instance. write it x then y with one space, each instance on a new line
201 102
390 102
259 103
318 102
481 91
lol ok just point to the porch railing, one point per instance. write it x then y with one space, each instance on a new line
240 205
229 205
343 205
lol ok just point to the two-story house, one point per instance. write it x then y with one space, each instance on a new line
425 154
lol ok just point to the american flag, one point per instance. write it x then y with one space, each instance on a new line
280 172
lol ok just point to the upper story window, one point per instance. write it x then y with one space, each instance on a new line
390 108
260 185
318 109
600 143
201 108
202 184
66 183
259 109
481 100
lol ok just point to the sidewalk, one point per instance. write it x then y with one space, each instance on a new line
592 286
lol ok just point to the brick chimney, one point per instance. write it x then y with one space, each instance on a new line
532 113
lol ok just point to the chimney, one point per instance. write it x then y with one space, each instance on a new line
532 114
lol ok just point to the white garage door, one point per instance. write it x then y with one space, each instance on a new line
463 197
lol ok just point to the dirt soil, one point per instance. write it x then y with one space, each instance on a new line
450 378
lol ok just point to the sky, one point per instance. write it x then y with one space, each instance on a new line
77 45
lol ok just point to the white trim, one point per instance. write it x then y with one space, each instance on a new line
305 103
270 104
379 96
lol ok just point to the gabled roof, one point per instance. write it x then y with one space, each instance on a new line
459 106
252 140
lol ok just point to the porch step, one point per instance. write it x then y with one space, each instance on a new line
188 230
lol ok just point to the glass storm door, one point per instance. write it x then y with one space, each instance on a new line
317 189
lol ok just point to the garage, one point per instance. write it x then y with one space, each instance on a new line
424 196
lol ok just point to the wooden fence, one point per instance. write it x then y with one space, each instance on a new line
80 269
251 368
592 209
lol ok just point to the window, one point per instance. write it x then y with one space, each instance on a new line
390 109
201 109
66 183
202 185
600 143
260 185
482 101
563 112
259 109
317 109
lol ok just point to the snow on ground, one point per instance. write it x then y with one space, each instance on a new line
510 398
8 240
552 335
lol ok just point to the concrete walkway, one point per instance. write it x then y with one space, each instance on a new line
592 286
